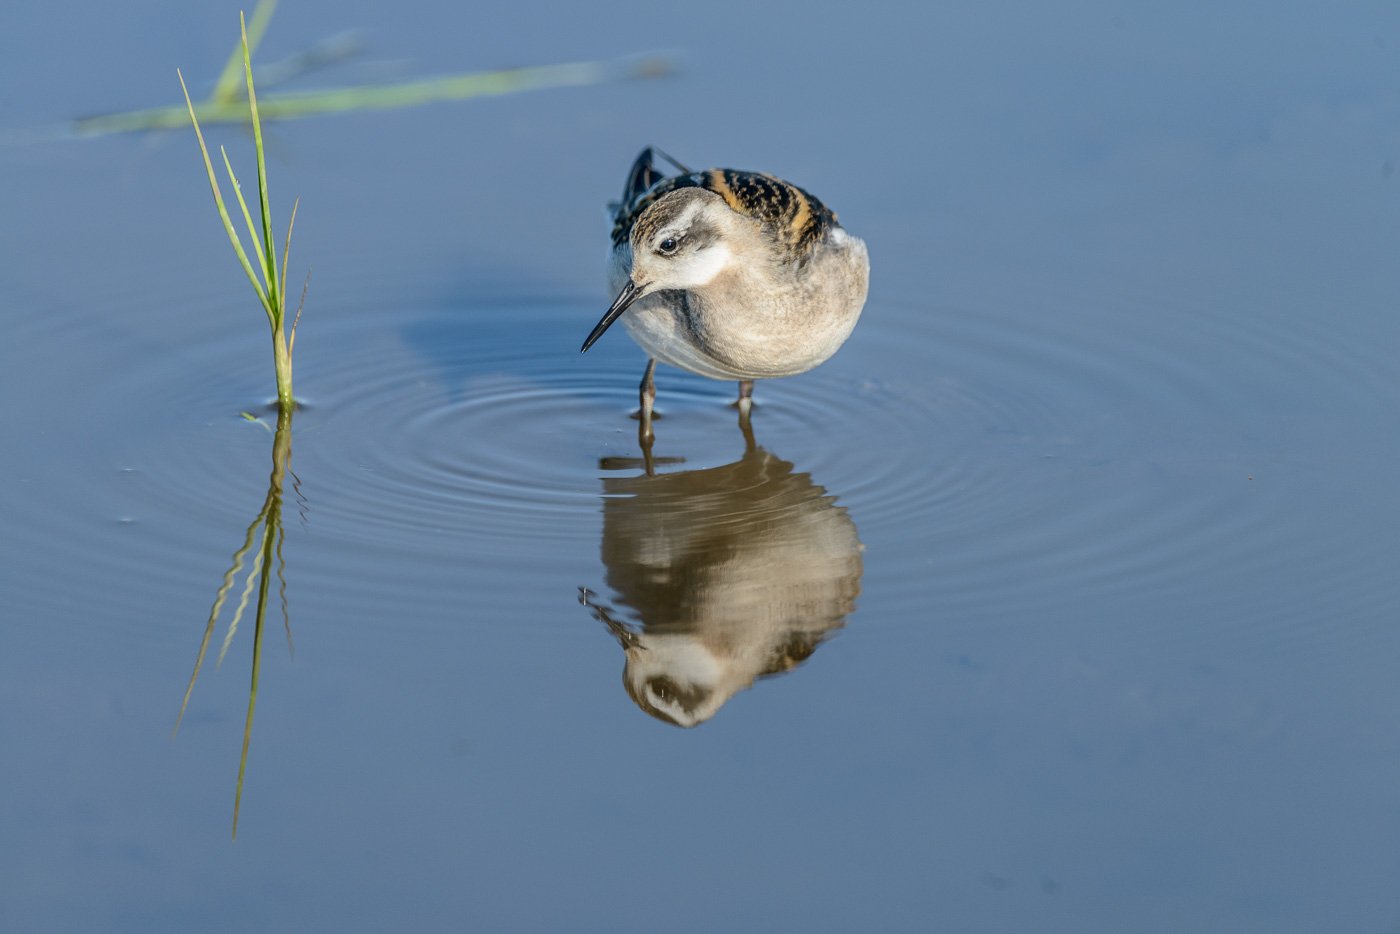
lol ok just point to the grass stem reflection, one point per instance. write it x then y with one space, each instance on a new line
263 545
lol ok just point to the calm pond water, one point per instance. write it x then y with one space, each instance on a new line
1062 599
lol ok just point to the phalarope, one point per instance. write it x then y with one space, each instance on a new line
731 275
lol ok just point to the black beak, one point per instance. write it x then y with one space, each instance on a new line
629 294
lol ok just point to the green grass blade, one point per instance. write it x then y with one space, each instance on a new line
287 248
218 196
296 319
269 241
253 233
226 88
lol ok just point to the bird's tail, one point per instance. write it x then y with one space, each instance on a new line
644 174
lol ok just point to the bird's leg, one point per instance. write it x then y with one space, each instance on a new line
745 400
646 393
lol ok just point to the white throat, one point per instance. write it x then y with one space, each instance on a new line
702 268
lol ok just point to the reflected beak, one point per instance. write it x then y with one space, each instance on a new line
629 294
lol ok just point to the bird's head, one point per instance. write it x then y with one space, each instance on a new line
681 241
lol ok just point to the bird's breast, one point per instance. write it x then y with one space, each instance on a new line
756 321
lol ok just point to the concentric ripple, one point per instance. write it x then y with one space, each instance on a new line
468 424
984 457
1136 448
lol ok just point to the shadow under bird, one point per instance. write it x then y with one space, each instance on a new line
730 274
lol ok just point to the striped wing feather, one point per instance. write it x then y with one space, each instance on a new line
797 219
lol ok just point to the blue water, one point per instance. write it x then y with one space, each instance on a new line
1062 599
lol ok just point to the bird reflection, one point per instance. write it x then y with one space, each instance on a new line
725 575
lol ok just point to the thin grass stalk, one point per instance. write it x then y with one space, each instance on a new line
276 284
287 250
296 319
270 287
282 362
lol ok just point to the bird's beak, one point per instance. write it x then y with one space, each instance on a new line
629 294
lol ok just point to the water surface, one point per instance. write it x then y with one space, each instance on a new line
1062 598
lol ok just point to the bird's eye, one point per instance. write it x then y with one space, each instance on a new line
667 247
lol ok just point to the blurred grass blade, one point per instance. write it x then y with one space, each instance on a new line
433 90
226 89
353 98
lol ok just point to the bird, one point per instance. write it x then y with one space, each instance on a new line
729 274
